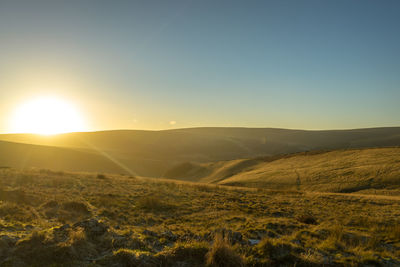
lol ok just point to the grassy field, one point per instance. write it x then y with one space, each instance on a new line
370 171
84 219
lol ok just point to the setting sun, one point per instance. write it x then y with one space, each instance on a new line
47 116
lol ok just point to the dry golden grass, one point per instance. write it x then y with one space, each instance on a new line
77 219
221 254
370 171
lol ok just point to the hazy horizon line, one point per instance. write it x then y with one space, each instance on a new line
205 127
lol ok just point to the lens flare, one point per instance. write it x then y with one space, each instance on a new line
47 116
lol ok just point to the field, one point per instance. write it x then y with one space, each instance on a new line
88 219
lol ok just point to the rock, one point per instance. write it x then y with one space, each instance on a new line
253 242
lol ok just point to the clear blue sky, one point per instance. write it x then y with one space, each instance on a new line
143 64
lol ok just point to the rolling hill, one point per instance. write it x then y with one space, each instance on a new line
23 156
355 170
152 153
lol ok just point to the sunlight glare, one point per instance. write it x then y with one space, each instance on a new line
47 116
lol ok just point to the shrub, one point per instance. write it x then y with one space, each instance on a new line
221 254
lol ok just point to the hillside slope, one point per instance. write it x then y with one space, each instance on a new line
151 153
61 159
334 171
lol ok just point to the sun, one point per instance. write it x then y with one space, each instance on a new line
47 115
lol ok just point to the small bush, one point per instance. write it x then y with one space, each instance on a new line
221 254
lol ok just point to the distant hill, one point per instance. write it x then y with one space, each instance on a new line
61 159
152 153
343 171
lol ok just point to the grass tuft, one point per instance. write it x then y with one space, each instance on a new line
221 254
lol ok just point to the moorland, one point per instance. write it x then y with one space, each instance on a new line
65 204
82 219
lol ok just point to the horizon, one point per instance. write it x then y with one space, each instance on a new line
199 127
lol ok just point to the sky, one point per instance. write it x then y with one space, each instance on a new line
173 64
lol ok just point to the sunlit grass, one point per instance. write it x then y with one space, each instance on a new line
67 218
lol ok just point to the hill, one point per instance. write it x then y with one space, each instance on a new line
61 159
354 170
151 153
